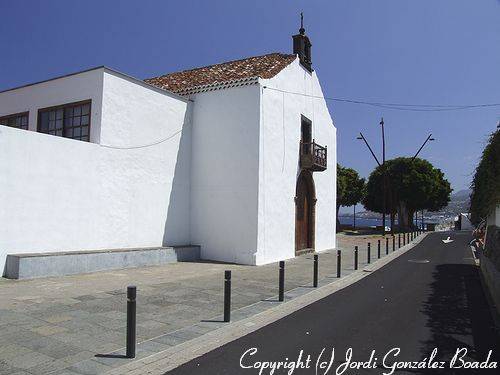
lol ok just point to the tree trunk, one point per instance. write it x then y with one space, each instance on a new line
402 216
411 215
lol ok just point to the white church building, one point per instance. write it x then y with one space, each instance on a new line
237 158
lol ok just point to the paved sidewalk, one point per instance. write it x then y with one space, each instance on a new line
58 325
167 360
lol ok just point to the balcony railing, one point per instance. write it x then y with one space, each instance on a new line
313 156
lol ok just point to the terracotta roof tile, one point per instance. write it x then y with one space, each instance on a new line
266 66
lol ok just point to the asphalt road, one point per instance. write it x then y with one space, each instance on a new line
430 297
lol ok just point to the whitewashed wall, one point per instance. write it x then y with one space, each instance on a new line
224 174
155 177
220 172
68 89
494 217
59 194
279 163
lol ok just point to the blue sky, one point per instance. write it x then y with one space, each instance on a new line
422 52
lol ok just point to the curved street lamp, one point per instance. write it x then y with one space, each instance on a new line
429 138
361 137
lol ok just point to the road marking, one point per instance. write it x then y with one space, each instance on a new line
419 261
447 240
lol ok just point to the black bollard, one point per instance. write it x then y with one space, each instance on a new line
355 257
393 242
339 255
408 238
227 296
315 271
386 246
369 255
404 238
378 249
399 240
131 320
282 281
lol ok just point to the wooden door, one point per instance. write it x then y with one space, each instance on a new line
304 220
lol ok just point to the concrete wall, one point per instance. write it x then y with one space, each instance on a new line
491 278
224 173
279 163
490 258
58 194
30 266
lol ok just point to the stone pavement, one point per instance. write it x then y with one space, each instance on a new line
59 325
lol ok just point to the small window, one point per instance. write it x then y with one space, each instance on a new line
19 120
69 121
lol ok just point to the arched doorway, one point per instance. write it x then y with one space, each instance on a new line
305 202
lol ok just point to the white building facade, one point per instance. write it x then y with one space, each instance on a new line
238 158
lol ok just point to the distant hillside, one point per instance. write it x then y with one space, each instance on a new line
461 194
460 202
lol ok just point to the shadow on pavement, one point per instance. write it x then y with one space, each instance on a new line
110 355
457 310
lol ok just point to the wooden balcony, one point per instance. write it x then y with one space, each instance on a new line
313 156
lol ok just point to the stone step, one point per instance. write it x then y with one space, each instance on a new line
35 265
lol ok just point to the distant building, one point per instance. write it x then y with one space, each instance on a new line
462 222
237 157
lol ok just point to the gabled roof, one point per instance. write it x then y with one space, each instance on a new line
194 80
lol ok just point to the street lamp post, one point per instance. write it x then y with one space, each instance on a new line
361 136
384 176
429 138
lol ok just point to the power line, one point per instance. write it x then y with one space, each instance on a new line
395 106
143 146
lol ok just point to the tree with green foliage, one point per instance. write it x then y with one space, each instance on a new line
485 185
350 188
412 185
